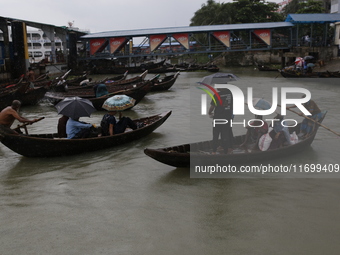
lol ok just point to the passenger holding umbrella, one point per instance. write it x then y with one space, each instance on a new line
74 108
109 124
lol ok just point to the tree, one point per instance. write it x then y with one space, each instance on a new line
238 11
296 6
255 11
292 7
209 14
311 6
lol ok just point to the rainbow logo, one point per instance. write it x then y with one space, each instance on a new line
210 94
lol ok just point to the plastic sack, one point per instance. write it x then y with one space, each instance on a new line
294 138
265 141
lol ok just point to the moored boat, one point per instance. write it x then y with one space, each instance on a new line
137 92
287 73
164 83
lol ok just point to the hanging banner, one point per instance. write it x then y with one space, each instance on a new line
223 37
263 34
182 39
156 40
116 44
96 45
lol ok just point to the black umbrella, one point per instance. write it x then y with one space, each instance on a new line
75 107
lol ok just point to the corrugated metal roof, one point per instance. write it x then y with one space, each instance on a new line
189 29
313 18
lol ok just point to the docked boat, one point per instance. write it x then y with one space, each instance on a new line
49 145
287 73
136 91
180 155
165 82
109 67
265 68
213 68
21 91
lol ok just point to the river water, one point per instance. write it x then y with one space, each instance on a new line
119 201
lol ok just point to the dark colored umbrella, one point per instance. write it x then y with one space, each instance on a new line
75 107
219 78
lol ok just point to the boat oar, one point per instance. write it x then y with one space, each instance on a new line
278 74
25 124
301 114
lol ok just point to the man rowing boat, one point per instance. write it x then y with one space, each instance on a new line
10 113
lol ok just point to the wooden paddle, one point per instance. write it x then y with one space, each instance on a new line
301 114
25 125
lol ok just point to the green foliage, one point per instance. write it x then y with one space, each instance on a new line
292 7
296 6
311 6
238 11
255 11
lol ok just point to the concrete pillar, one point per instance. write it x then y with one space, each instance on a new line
6 56
20 50
72 46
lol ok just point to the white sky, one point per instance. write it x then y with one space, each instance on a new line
105 15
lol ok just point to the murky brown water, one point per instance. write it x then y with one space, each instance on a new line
119 201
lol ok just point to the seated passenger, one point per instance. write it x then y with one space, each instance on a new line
280 134
78 129
110 126
100 90
85 82
255 130
62 126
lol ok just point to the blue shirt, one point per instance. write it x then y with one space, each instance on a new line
73 127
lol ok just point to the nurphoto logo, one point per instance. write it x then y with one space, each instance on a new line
239 103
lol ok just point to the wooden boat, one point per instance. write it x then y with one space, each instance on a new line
90 90
75 80
59 85
213 68
33 95
21 91
164 69
8 91
49 145
265 68
287 73
180 155
137 92
109 67
111 85
135 79
164 83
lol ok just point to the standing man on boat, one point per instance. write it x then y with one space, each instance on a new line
224 111
10 113
307 125
30 76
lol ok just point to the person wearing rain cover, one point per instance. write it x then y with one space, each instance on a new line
224 111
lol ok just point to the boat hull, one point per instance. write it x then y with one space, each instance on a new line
199 152
48 145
